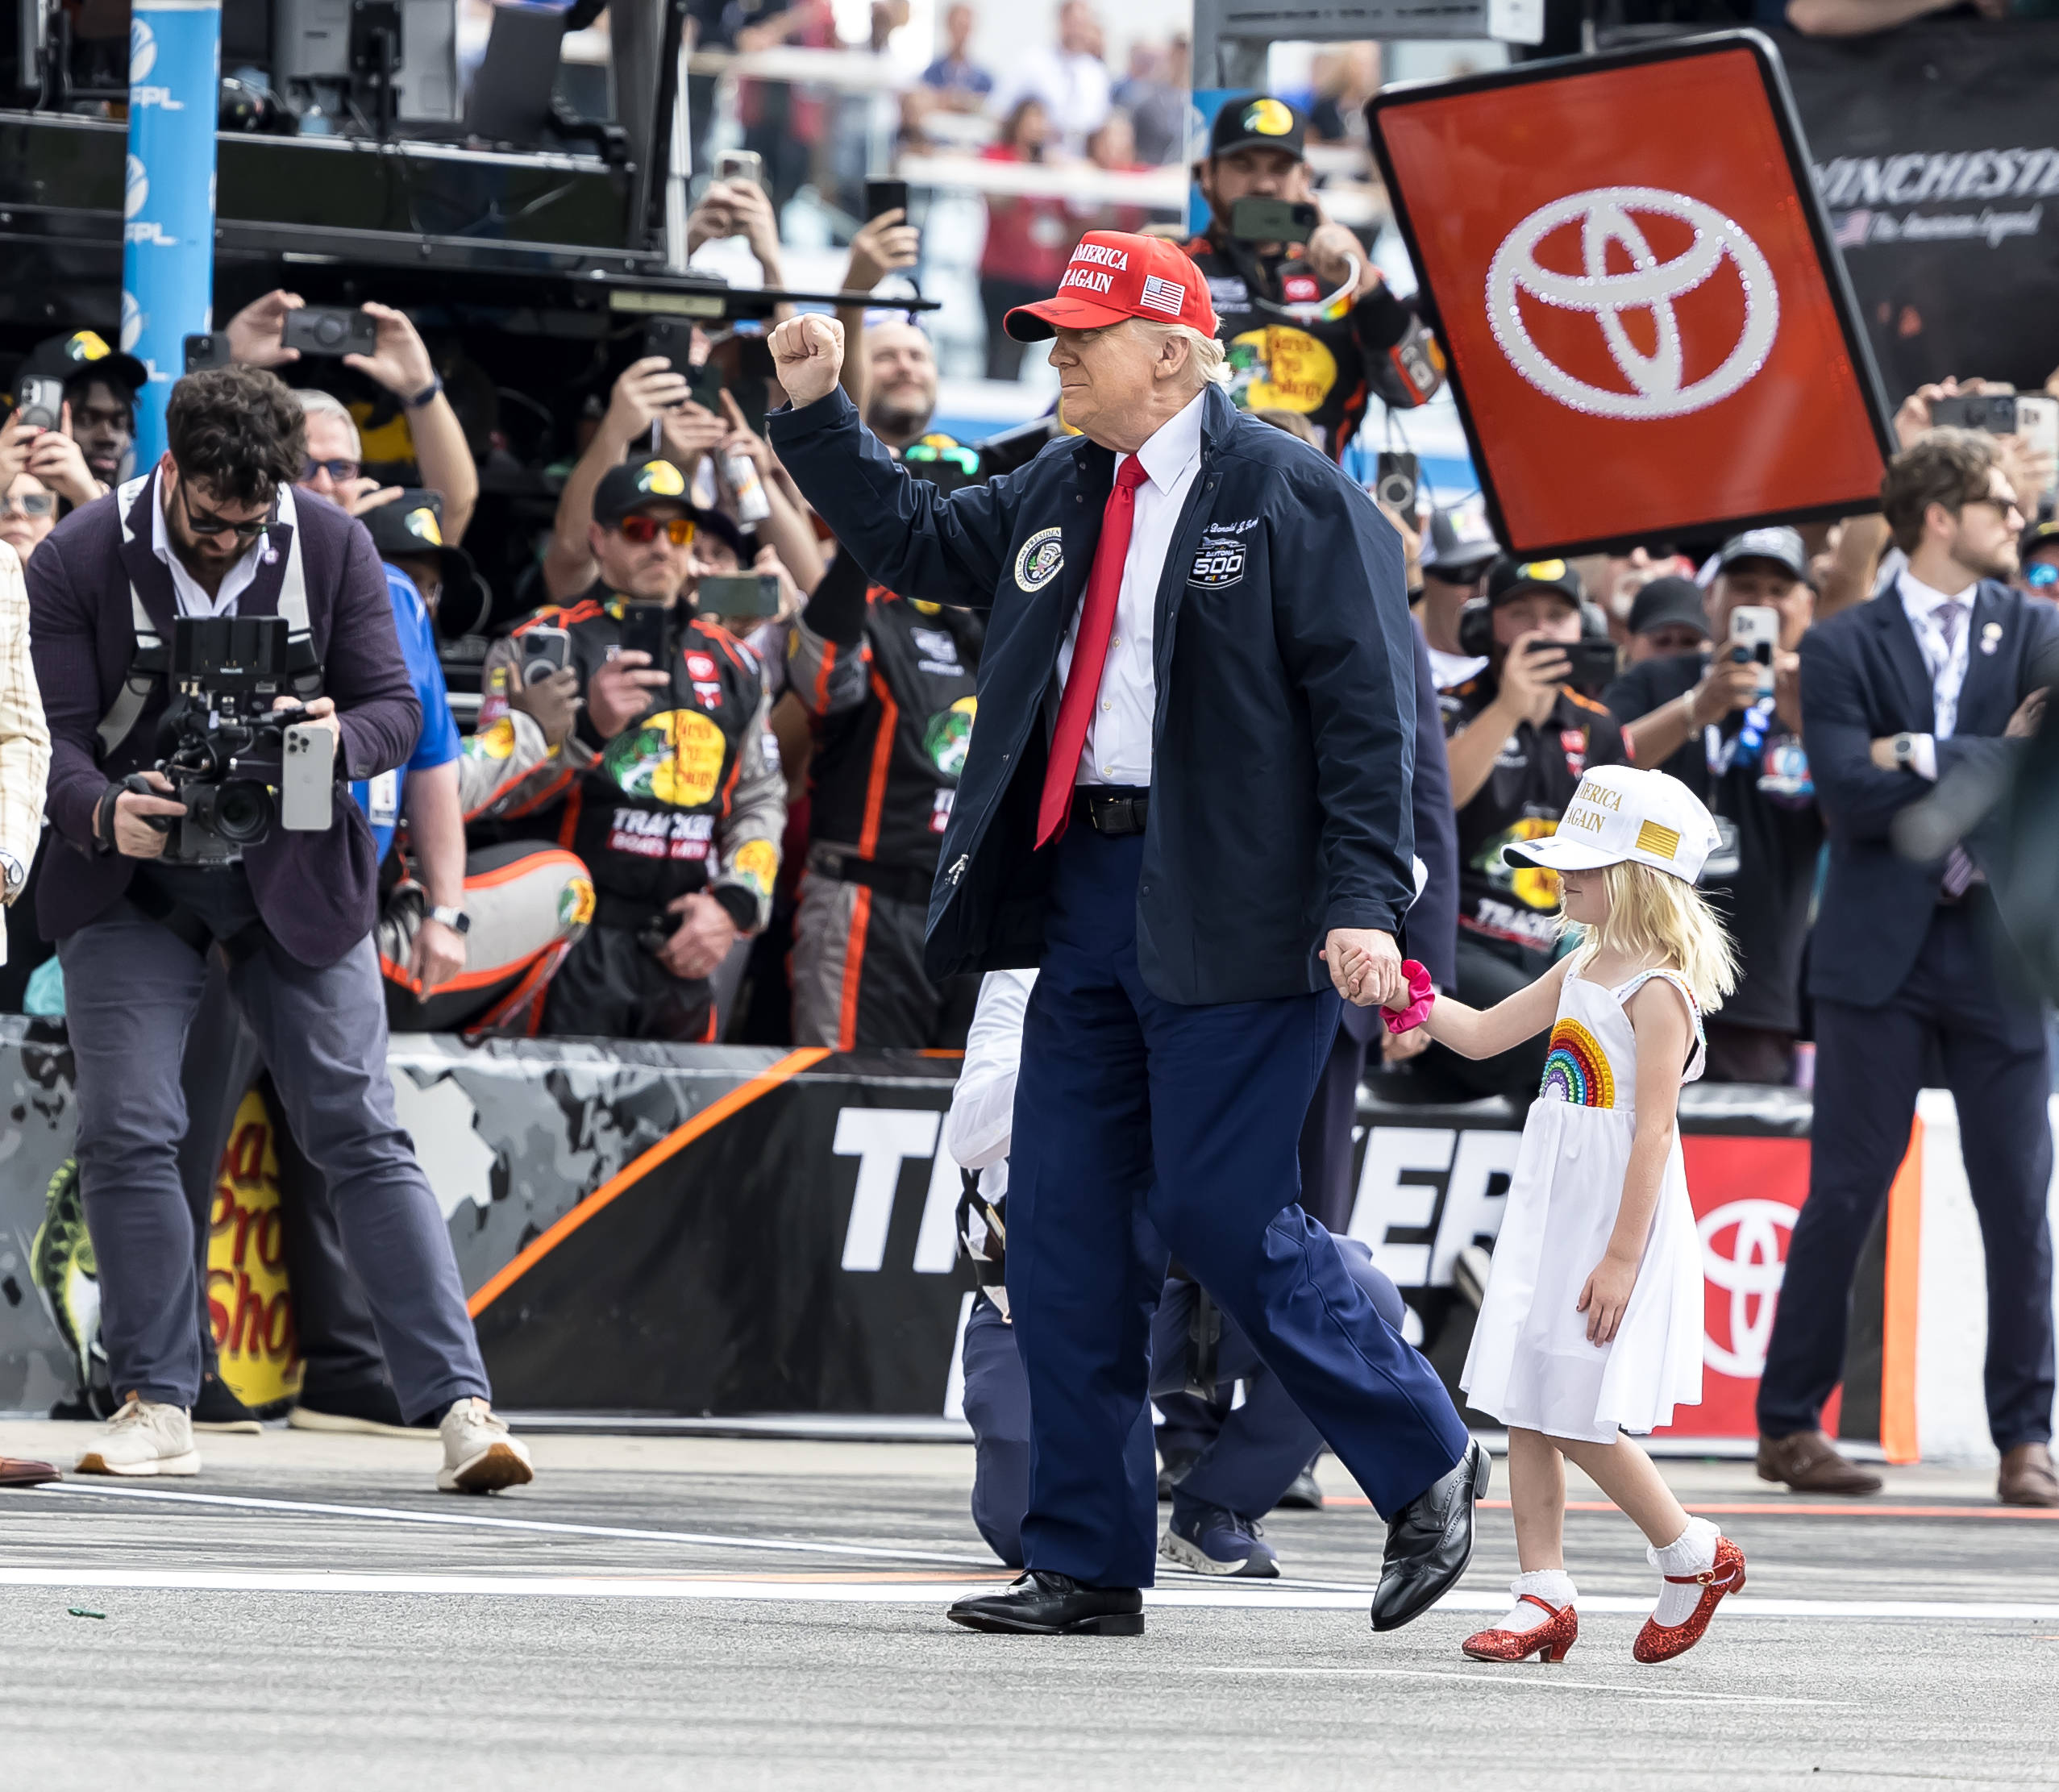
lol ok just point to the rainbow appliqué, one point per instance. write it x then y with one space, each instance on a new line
1576 1068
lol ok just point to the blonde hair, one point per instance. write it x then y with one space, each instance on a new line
1204 354
1654 915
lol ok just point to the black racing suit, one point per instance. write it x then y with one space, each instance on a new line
1324 367
689 797
890 683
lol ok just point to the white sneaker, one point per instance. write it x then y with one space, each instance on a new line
480 1455
144 1438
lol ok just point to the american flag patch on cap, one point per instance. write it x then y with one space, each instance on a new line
1167 296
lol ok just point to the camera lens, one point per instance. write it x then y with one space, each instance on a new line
243 812
1397 491
329 330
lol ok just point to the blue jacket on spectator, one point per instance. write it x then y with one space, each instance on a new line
1284 741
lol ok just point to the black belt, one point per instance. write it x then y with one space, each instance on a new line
1115 810
909 883
628 914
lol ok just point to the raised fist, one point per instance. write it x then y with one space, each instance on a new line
808 354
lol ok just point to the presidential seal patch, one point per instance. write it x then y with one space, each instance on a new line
1041 559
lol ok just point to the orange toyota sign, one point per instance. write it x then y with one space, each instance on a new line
1650 333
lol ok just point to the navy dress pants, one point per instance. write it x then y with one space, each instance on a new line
1870 1065
1192 1115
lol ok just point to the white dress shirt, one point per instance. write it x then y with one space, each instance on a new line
981 1122
1924 606
1119 737
193 600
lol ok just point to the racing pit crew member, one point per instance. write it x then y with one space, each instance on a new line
889 685
1520 738
669 787
1324 363
467 942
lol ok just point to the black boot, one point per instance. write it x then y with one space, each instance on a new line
1429 1541
1040 1604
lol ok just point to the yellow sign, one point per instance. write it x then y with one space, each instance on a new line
1294 370
249 1304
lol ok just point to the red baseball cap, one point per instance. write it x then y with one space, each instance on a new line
1113 275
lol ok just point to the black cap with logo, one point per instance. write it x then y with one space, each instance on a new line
84 353
411 527
1670 602
1511 578
636 485
1459 546
1258 120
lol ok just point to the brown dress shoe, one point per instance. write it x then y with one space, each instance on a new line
19 1471
1808 1462
2027 1478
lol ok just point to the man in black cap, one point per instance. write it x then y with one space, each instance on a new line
1520 738
1667 619
1729 727
669 785
2037 561
1458 548
1271 291
83 446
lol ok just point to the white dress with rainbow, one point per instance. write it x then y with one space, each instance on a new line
1531 1364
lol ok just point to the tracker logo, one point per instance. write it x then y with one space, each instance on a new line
1750 1271
1658 383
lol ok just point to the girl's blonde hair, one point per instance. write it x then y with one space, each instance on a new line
1652 915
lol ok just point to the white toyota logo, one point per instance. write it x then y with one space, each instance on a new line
1604 215
1751 1273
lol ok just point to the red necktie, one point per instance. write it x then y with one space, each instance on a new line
1090 652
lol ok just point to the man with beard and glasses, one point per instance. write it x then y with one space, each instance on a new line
1935 681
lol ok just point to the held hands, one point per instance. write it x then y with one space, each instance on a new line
703 938
1605 1297
1365 965
808 353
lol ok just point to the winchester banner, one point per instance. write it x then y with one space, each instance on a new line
1936 149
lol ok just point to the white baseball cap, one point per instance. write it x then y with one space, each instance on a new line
1619 813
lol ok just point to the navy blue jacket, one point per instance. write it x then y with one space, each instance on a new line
1283 743
1864 677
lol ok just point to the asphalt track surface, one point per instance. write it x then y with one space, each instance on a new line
707 1613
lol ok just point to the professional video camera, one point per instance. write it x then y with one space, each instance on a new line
240 767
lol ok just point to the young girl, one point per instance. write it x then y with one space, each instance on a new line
1591 1325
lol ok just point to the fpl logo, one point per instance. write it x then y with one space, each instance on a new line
135 188
1658 382
143 51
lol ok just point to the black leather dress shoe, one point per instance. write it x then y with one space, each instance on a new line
1054 1605
1429 1541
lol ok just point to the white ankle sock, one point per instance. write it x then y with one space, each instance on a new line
1553 1586
1691 1553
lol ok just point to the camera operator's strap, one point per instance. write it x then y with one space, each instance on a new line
152 657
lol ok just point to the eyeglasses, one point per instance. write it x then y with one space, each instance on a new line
214 526
28 504
2004 507
341 472
644 530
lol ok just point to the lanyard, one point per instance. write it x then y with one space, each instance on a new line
1746 748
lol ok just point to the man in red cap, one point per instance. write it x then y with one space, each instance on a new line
1186 800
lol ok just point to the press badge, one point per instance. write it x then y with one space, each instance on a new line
383 800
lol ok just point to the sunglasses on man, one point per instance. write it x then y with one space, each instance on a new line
207 524
644 530
28 504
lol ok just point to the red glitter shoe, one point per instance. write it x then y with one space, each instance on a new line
1658 1642
1548 1642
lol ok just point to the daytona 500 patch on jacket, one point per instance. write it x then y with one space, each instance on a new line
688 796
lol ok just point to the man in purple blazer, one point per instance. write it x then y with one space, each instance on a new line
216 529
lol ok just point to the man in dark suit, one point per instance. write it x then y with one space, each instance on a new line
1931 685
1186 800
214 530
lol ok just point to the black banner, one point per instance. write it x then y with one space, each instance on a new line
1936 151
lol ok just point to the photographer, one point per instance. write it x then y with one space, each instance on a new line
1729 725
1519 737
80 445
1324 366
399 364
212 530
669 786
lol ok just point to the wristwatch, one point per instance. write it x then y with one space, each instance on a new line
1903 746
426 396
455 919
15 874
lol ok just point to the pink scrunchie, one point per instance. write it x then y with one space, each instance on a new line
1420 996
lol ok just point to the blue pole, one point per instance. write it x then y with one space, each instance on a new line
168 204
